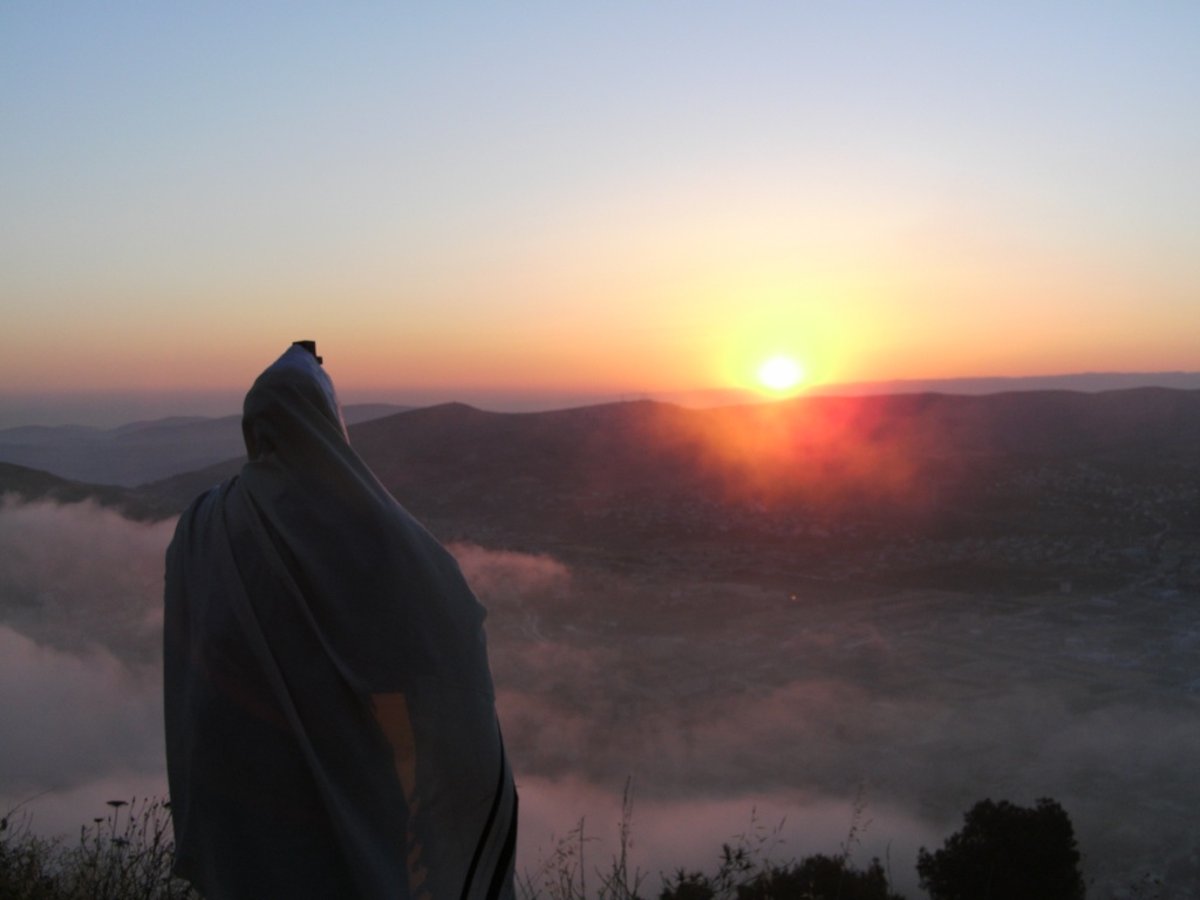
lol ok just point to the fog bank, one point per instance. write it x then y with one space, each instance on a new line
720 701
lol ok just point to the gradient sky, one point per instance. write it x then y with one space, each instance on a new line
607 197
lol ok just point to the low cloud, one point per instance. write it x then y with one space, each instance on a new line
504 575
71 718
717 699
78 575
80 672
723 693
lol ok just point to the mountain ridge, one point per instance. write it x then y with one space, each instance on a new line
141 451
930 487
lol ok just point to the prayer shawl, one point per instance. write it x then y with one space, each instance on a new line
330 717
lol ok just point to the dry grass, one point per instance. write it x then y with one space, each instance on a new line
123 855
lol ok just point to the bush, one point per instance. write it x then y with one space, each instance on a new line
820 877
816 877
25 863
1006 852
746 871
125 855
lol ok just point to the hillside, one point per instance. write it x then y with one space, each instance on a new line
31 485
1036 488
138 452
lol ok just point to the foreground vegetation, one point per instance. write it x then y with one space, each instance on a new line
124 855
1003 852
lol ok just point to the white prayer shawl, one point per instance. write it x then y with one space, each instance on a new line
330 715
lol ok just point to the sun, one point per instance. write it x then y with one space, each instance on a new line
780 373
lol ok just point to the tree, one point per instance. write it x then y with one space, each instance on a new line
820 877
1006 852
816 877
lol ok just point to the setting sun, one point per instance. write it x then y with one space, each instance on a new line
780 373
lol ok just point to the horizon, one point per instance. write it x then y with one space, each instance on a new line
111 409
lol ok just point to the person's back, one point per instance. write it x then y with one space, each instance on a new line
331 727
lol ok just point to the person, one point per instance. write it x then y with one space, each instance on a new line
330 716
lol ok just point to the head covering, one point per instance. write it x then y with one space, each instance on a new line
330 715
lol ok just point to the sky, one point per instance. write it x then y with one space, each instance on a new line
600 199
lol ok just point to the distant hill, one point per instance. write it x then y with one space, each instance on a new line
1035 489
827 484
1091 382
139 452
30 485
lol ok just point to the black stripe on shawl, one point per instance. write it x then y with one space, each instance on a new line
510 838
506 853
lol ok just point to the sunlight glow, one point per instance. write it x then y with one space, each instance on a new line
780 373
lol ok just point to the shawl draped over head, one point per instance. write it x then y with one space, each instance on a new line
330 717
